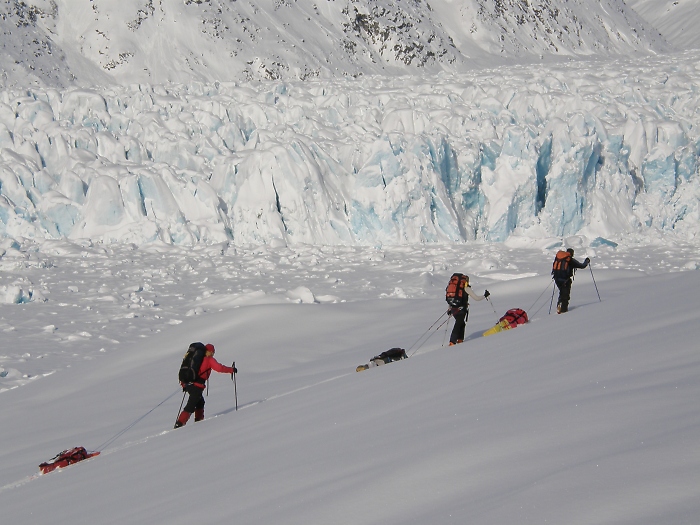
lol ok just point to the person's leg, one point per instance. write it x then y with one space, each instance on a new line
564 296
182 419
457 335
199 410
195 398
464 325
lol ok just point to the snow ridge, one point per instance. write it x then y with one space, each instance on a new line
62 42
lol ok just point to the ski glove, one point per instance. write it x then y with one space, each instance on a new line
587 261
486 293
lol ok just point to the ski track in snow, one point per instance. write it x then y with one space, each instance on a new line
108 449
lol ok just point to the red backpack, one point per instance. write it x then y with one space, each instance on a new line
65 458
515 317
454 293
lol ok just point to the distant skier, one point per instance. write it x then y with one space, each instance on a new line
563 270
194 385
457 295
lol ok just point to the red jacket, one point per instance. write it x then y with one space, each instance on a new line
209 364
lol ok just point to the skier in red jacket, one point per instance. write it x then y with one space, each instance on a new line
195 403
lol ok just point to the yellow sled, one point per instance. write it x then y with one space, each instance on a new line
500 326
512 319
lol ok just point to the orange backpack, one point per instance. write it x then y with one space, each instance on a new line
560 267
454 293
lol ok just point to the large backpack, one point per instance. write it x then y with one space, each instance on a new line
65 458
514 317
454 293
560 267
191 363
391 355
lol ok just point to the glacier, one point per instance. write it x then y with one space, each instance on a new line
600 149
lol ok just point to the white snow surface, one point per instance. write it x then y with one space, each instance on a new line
598 148
181 171
587 417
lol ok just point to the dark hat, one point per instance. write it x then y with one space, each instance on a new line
571 251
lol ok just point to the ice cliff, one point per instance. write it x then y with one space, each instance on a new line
600 149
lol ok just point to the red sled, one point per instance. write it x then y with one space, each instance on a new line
512 319
65 458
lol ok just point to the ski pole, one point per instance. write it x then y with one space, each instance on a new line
590 267
235 388
184 393
552 300
446 327
492 306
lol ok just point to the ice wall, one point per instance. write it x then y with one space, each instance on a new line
599 149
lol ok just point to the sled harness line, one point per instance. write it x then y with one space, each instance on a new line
131 425
540 297
426 332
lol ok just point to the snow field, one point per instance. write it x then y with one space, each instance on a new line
587 417
84 300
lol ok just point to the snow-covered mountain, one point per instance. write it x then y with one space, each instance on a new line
60 42
677 20
343 122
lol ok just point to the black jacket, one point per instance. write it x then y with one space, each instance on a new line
573 265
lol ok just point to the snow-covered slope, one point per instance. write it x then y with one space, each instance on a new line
62 42
677 20
588 417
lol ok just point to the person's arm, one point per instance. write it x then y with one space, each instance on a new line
218 367
473 295
580 266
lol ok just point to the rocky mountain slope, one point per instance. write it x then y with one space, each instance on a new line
677 20
65 42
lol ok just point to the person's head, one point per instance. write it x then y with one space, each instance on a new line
210 349
466 281
571 251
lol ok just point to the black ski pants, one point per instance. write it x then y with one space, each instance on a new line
460 324
196 399
564 294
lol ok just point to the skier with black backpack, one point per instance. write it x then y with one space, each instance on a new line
194 373
563 270
457 295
